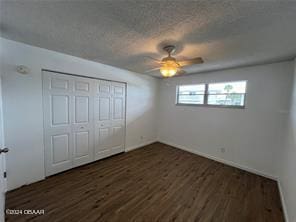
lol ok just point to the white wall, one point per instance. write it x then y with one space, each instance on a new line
22 101
250 136
287 158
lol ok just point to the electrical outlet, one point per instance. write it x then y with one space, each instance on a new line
223 150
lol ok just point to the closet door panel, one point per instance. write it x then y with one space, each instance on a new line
118 108
60 148
57 103
118 117
103 116
81 144
110 118
81 109
104 110
103 142
117 138
83 125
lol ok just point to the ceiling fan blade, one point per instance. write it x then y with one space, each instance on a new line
181 72
188 62
152 70
154 59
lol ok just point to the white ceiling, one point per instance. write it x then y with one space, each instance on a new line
121 33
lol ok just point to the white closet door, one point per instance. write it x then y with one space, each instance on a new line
103 119
118 117
58 138
83 121
68 121
109 118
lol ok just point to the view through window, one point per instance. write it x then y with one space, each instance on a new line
191 94
229 94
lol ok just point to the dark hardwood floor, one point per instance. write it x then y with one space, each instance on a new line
154 183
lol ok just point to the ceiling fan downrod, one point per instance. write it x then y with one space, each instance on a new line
169 49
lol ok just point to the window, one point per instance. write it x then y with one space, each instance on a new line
191 94
226 94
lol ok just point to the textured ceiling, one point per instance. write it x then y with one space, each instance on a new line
122 33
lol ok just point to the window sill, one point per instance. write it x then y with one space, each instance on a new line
211 106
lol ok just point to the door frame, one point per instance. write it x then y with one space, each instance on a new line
89 77
2 156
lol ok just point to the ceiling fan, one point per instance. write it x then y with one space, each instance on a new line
170 66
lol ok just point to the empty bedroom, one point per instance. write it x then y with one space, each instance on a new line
168 110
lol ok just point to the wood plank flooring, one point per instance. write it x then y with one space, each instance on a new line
154 183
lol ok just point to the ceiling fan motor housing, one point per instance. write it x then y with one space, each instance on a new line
169 59
169 49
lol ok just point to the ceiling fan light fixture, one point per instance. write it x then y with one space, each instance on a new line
168 71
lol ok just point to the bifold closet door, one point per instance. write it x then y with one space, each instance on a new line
109 118
84 120
68 121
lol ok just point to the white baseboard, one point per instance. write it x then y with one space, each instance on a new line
283 201
227 162
140 145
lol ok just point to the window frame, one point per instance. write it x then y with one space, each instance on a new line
190 104
206 95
